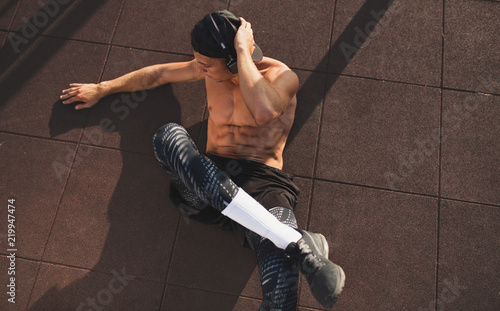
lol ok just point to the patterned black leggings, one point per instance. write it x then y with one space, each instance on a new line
202 184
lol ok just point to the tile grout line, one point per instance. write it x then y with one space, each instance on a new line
207 290
415 84
2 44
438 214
73 267
51 36
81 143
316 155
322 107
110 43
13 18
431 196
165 281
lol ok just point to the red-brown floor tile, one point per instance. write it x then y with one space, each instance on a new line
246 304
384 241
186 299
209 258
303 209
80 19
33 174
24 273
471 58
300 151
32 84
381 134
64 288
404 44
164 25
115 213
7 10
129 120
471 149
294 32
469 255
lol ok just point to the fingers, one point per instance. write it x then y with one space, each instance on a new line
69 90
71 100
245 24
68 93
73 86
71 95
82 106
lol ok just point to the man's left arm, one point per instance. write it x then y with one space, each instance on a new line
267 97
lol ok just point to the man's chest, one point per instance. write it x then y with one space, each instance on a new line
227 107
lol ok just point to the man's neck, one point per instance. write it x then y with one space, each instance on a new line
235 80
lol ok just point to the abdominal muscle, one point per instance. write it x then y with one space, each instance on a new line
243 140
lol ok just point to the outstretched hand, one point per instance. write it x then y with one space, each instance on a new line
88 93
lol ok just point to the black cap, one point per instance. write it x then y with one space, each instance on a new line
204 43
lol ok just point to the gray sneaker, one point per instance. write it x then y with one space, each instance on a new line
325 279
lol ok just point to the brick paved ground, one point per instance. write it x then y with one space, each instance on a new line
395 146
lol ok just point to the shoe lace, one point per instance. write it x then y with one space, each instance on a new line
310 262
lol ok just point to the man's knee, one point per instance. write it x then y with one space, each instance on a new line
166 132
167 136
285 215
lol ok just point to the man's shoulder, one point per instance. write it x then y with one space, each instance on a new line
272 68
271 63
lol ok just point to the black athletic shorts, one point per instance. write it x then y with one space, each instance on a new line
270 186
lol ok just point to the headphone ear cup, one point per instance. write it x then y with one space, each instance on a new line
232 65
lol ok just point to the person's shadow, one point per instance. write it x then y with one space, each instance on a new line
142 221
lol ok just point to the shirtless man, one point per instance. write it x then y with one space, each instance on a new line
251 106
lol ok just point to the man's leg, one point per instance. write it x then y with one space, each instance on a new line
177 152
279 276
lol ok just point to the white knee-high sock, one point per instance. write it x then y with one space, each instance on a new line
249 213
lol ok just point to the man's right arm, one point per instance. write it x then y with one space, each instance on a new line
142 79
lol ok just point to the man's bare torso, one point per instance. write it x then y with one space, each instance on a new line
233 132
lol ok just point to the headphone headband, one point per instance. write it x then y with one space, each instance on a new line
231 63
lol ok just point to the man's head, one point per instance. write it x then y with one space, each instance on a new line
213 37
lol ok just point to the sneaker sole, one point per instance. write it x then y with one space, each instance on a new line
341 279
324 245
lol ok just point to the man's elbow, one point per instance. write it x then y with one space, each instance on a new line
265 117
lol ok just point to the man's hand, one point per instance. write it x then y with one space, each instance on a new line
244 41
89 94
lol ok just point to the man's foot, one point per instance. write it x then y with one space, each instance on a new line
325 279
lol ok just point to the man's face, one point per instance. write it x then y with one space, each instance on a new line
213 68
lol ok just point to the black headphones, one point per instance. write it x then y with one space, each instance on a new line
231 62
